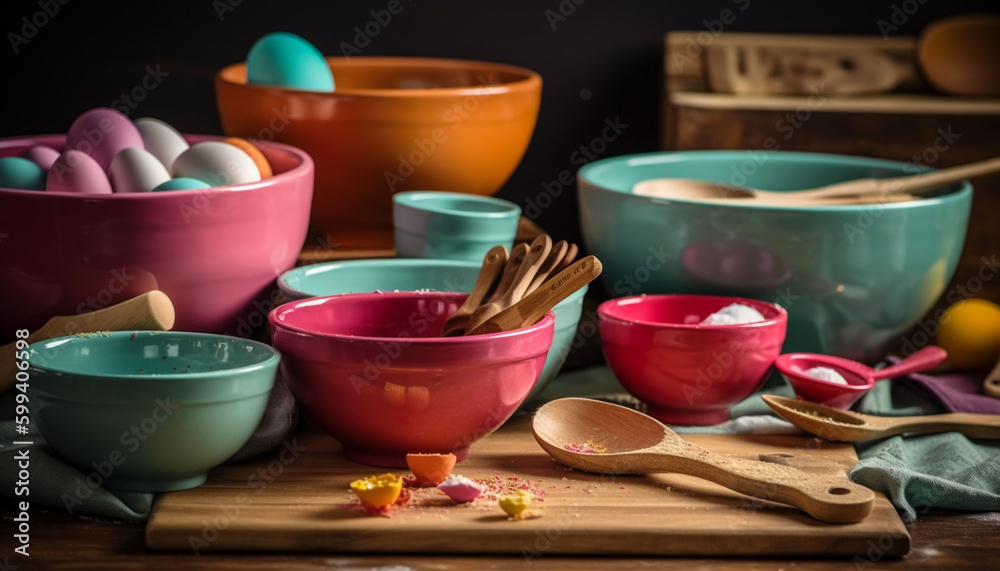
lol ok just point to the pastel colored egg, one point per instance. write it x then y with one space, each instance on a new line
78 172
216 163
431 469
251 149
101 133
287 60
136 170
182 183
18 172
41 155
159 138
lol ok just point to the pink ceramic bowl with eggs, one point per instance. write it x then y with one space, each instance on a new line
372 370
215 252
688 373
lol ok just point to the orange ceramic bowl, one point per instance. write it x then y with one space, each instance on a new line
392 124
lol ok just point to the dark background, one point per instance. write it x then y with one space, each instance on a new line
604 60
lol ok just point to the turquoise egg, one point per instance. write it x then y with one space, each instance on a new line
287 60
17 172
181 183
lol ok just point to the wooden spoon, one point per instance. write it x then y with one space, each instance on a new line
552 262
151 311
918 184
536 304
571 254
846 426
509 271
632 443
526 271
493 264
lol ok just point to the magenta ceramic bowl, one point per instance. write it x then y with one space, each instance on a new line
688 374
215 252
372 371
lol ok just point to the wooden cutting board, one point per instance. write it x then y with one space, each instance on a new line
298 500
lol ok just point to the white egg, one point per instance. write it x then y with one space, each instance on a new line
216 163
161 139
136 170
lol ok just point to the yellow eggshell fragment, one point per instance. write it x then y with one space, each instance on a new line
515 503
378 491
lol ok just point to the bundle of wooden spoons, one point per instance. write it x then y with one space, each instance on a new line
520 288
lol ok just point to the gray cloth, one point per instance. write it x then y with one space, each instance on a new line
56 483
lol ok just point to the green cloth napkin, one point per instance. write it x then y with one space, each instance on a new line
916 472
921 472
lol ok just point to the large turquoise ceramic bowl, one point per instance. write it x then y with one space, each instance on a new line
400 274
149 411
853 279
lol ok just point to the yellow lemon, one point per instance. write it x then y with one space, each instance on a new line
970 333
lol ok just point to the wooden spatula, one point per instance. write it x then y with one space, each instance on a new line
151 311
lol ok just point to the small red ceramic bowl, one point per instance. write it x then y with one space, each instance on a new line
687 373
372 370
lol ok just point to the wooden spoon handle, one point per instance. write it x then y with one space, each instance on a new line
536 304
553 260
151 311
913 184
969 424
493 264
826 497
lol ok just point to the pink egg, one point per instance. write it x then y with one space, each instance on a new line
41 155
75 171
101 133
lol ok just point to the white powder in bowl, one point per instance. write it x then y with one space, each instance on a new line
734 314
825 374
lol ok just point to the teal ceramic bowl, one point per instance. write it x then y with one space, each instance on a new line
149 411
853 279
403 274
449 225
